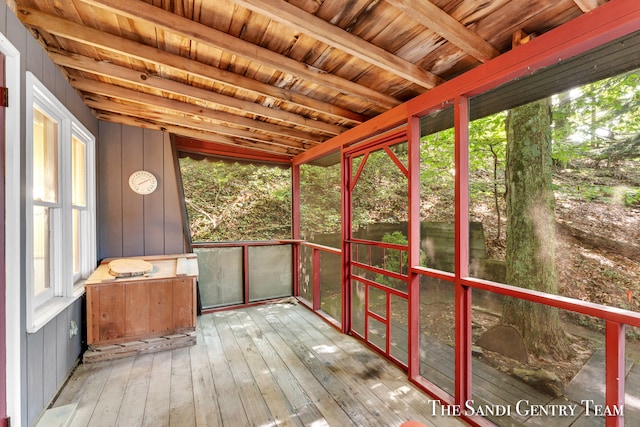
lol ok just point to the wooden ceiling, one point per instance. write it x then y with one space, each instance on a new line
272 76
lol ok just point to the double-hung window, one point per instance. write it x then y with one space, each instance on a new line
60 218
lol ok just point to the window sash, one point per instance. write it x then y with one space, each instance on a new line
61 234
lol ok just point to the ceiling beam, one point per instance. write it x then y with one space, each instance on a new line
200 33
319 29
440 22
165 111
127 48
130 95
165 118
147 81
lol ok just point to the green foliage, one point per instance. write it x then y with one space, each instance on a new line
236 202
381 192
320 207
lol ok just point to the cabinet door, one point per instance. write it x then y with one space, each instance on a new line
183 303
137 322
160 306
110 312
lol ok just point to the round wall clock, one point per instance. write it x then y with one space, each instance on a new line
143 182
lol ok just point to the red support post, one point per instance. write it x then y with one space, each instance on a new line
413 141
346 246
615 374
462 293
295 226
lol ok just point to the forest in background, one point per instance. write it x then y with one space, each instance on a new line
596 182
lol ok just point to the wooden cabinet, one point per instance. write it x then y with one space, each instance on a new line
161 303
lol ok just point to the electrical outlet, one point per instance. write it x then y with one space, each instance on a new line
73 329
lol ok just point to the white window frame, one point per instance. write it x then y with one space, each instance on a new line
65 287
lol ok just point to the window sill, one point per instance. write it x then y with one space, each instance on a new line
50 309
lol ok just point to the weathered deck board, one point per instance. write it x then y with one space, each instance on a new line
266 365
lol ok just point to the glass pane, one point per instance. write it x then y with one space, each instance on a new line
632 381
357 307
45 157
320 206
578 219
220 276
232 202
518 376
377 301
270 272
437 185
331 285
41 250
78 166
378 334
399 329
437 336
75 240
306 273
379 199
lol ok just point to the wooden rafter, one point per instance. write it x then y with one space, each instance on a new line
144 12
147 81
440 22
112 91
286 13
128 48
174 112
163 118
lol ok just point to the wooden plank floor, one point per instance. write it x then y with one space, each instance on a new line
276 364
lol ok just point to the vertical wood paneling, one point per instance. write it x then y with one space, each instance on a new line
3 18
162 295
136 308
34 392
75 343
47 355
130 224
183 303
153 161
62 345
49 377
111 313
132 203
62 87
174 239
110 186
35 60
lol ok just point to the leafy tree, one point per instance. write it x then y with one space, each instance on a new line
320 204
236 202
531 227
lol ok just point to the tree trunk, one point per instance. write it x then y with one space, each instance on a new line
530 254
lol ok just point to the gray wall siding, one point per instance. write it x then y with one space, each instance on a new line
49 354
130 224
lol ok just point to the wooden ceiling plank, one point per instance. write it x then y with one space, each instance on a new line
439 21
153 101
124 74
128 48
586 5
195 31
160 116
334 36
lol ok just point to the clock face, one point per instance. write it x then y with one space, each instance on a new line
143 182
